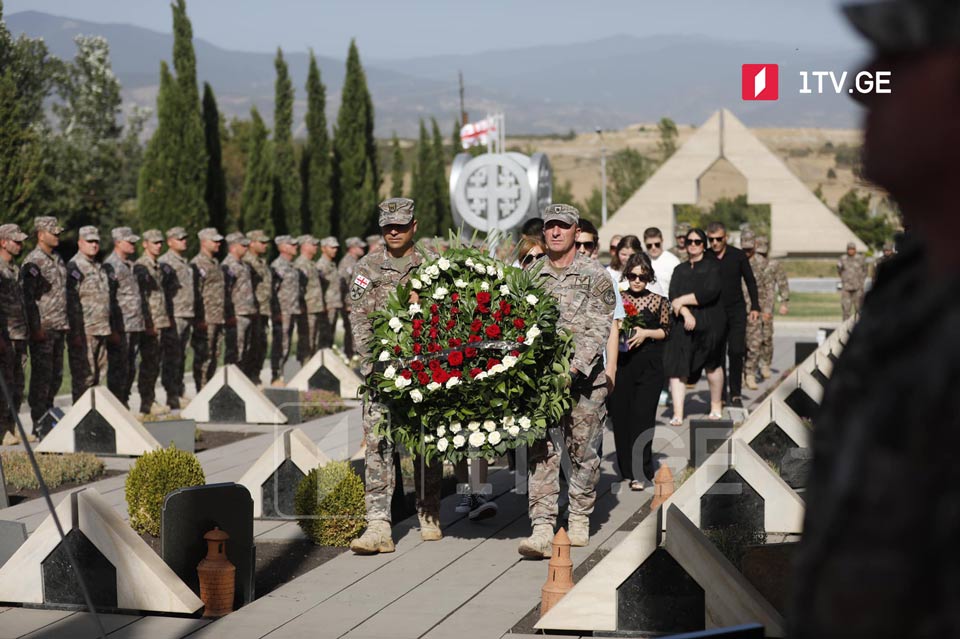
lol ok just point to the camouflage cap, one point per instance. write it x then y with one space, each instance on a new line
901 26
257 235
177 232
682 229
888 246
47 223
332 241
396 210
355 242
12 232
89 234
748 241
373 239
851 245
763 244
307 239
210 233
561 213
152 235
124 234
284 239
237 238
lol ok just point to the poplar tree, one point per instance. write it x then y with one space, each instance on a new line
441 185
424 185
396 168
317 203
286 182
257 197
216 193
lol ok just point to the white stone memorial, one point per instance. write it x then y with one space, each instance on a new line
327 370
231 397
293 449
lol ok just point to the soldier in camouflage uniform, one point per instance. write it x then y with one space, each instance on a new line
332 289
241 301
88 307
287 304
587 300
376 276
355 249
852 269
153 305
210 300
181 308
44 283
262 280
13 328
374 243
126 306
781 287
681 239
756 329
311 320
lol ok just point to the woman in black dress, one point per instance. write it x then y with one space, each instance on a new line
696 342
633 405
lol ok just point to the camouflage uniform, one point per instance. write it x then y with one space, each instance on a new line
13 331
44 282
682 230
332 298
346 268
88 306
287 305
242 305
757 329
310 322
154 305
375 278
178 283
781 286
853 276
208 326
262 281
127 308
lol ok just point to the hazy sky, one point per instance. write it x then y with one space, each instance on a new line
407 28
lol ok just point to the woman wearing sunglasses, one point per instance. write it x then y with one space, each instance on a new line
697 338
633 405
530 251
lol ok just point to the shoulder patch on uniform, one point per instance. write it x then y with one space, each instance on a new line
33 269
359 286
77 275
604 290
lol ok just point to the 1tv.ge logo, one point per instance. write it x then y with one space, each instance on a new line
762 82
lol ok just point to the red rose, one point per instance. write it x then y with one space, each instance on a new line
417 324
455 358
493 331
515 353
396 349
483 297
519 324
483 309
440 376
475 326
454 310
505 307
423 378
416 365
434 309
417 333
433 348
434 364
456 341
474 372
418 348
455 297
456 373
471 352
406 374
521 339
474 338
451 324
493 361
434 333
434 320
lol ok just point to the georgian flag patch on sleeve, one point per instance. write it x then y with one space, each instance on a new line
359 287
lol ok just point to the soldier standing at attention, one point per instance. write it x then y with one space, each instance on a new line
310 321
781 288
155 319
181 308
679 248
262 280
374 243
332 289
13 328
377 275
765 293
241 301
210 299
126 306
586 297
852 269
44 282
287 304
88 307
355 248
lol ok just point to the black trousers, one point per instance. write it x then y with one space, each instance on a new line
735 348
633 409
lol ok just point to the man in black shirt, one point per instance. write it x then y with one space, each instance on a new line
734 267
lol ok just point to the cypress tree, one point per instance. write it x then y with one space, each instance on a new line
286 183
257 195
396 168
317 197
442 187
156 186
455 141
425 185
216 194
20 156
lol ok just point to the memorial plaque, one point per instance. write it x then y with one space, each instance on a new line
287 400
12 536
803 350
802 404
731 501
323 379
189 513
706 436
280 489
60 583
227 406
47 422
182 433
772 444
660 597
94 435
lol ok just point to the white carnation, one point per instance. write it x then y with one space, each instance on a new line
532 299
395 324
426 279
441 431
460 284
504 290
484 286
469 261
390 373
433 270
417 284
440 293
416 396
473 427
480 375
494 437
442 444
384 356
402 382
384 342
432 386
533 332
480 269
509 421
456 427
477 439
499 368
491 270
444 263
524 423
509 361
453 381
427 439
414 309
459 441
500 273
489 425
514 430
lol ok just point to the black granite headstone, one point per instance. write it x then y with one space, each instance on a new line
803 350
189 513
182 433
227 406
279 491
12 536
820 377
771 444
795 467
706 436
60 583
323 379
833 358
94 434
731 501
47 422
287 400
802 404
746 631
660 597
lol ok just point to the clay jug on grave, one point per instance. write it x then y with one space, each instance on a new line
217 575
559 573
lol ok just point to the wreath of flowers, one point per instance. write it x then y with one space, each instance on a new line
468 358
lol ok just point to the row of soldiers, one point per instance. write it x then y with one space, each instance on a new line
109 312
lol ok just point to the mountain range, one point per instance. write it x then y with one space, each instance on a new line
608 83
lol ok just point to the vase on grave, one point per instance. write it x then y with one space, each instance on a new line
217 575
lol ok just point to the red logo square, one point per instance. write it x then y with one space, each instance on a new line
760 81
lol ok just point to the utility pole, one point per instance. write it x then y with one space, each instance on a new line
603 178
463 112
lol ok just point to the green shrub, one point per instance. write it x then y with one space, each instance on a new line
330 503
319 403
152 478
56 470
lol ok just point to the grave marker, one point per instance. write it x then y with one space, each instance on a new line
272 480
231 397
327 371
12 536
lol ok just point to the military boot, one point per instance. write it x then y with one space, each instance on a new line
376 538
539 545
429 527
750 381
578 529
765 372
